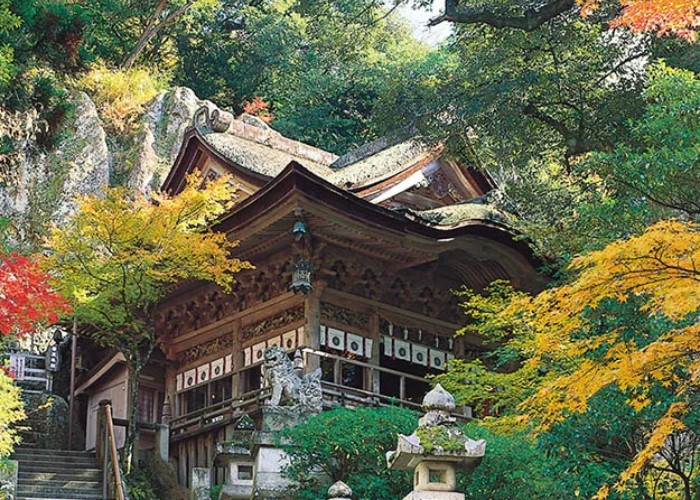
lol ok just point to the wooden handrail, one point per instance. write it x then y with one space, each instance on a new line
381 369
111 443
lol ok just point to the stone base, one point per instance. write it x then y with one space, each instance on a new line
279 418
434 495
236 492
268 481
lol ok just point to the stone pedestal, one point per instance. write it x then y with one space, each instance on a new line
254 458
200 481
270 459
279 418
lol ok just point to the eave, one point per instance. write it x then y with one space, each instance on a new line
405 241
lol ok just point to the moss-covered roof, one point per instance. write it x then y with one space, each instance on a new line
455 215
376 166
259 158
264 151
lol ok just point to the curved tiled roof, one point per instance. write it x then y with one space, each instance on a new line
377 166
455 215
257 157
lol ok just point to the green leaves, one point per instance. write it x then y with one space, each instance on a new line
349 445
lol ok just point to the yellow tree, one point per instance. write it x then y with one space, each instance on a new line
661 266
115 257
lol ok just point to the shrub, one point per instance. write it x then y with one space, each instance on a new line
11 412
121 95
348 444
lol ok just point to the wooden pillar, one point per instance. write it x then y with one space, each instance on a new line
375 335
182 463
237 360
313 324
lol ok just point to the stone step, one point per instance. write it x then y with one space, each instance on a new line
39 454
59 496
84 475
60 487
54 466
57 475
57 484
43 451
63 494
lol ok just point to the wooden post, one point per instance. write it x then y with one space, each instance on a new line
113 448
71 400
100 430
313 326
375 335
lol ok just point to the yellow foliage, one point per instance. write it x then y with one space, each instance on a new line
11 412
661 266
115 257
121 95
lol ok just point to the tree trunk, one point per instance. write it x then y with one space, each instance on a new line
146 37
152 29
128 455
686 487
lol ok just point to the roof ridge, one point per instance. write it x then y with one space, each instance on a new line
370 149
253 129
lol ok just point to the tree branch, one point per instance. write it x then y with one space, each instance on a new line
530 20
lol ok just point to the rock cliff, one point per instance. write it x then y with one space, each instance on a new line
38 186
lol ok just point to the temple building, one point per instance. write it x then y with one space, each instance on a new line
356 258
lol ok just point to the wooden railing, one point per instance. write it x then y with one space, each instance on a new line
29 370
400 398
108 455
334 393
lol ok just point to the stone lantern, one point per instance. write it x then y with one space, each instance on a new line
436 450
339 491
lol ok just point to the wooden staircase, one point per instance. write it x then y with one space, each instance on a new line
57 475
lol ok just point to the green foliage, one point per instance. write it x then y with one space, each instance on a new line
439 438
495 382
650 175
121 95
594 447
215 491
513 468
6 478
8 23
660 163
139 487
521 96
348 445
321 69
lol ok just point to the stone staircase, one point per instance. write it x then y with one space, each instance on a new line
57 475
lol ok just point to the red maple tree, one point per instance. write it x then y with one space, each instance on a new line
26 297
663 17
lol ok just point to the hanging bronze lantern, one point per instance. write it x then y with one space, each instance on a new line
301 277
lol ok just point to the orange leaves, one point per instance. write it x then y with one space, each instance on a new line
258 107
26 297
664 17
658 269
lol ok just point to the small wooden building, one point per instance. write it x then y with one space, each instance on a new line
374 241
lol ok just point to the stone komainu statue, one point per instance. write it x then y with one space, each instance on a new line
289 387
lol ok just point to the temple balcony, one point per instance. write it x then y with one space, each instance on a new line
345 382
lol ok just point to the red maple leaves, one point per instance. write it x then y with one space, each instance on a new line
26 298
